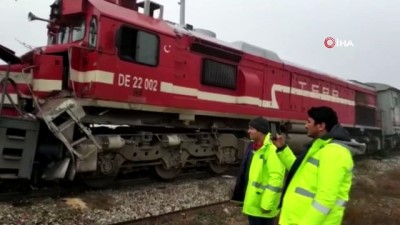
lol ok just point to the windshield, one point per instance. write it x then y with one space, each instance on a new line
78 32
68 34
63 35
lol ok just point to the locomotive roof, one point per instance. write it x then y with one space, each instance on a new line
383 87
237 45
267 54
124 14
320 73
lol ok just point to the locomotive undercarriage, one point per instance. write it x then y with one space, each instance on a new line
96 145
167 153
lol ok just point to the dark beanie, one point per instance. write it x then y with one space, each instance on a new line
260 124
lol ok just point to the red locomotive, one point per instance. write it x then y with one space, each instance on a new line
118 88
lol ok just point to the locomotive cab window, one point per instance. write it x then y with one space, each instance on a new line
137 46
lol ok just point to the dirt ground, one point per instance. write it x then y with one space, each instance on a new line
375 199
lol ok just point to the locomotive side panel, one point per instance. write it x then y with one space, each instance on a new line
365 109
311 90
132 73
277 90
388 113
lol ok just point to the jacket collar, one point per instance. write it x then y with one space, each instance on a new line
265 142
317 144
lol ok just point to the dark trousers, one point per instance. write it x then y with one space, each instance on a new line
260 221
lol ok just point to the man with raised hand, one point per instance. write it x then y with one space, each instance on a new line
319 180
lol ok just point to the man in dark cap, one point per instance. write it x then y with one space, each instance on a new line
261 176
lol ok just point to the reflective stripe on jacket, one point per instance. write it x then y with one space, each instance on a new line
264 183
319 187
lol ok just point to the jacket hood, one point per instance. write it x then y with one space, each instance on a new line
341 136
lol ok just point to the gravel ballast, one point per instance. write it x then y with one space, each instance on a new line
119 205
141 201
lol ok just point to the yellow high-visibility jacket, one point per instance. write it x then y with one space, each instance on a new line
318 183
260 184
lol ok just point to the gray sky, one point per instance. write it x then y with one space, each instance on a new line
295 30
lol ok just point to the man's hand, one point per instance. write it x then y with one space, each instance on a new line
279 141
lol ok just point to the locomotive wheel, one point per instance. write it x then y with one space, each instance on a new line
217 168
105 176
166 174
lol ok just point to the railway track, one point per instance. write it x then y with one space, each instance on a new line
160 219
28 193
383 154
127 201
56 190
155 219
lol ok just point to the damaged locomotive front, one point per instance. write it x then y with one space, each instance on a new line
55 123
